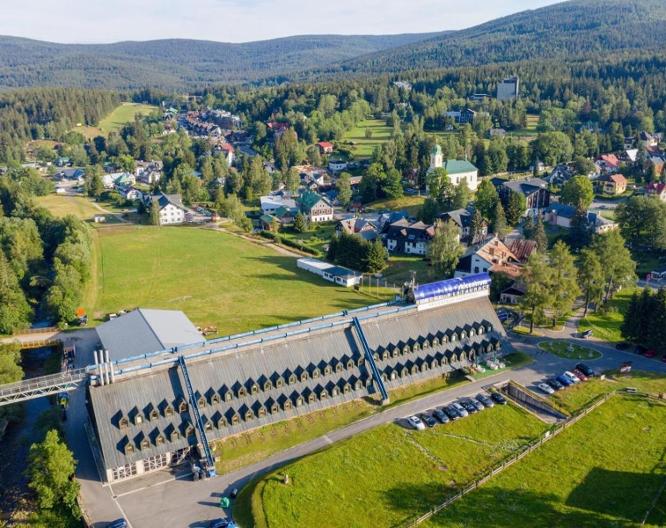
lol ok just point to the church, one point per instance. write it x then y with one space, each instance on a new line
459 171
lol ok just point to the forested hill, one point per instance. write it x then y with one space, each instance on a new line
176 64
567 30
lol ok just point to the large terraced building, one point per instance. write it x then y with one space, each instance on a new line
151 410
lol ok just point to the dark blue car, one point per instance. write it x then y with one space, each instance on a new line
564 380
118 523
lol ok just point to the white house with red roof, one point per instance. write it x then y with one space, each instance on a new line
326 147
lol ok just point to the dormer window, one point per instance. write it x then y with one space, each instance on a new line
182 406
138 419
154 415
123 423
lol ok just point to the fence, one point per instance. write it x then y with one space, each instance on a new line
512 459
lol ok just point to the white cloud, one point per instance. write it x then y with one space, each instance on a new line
241 20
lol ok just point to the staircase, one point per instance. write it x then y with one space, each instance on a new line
201 431
379 382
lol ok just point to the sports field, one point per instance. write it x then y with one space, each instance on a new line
217 279
364 146
120 116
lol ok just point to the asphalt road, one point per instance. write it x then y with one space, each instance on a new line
163 499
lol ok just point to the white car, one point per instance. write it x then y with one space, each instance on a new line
461 410
572 376
416 423
546 389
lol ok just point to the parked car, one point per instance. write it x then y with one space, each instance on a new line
623 346
222 523
469 406
564 380
460 409
441 416
485 400
556 385
428 420
118 523
586 370
498 398
650 353
586 334
451 412
479 406
640 349
416 423
546 389
580 375
571 376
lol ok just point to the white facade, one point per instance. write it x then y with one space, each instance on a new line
171 215
330 272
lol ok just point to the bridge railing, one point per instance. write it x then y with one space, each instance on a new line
43 382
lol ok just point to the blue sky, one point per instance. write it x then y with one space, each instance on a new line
241 20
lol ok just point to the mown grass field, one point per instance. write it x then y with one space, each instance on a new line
120 116
61 206
217 279
384 476
247 448
605 325
605 471
362 146
410 204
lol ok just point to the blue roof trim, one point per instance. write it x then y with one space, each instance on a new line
450 287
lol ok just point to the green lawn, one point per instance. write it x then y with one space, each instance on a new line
60 206
605 325
317 238
400 268
250 447
362 146
605 471
217 279
410 204
120 116
567 350
386 475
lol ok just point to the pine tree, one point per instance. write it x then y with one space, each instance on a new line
564 280
343 186
476 227
591 277
539 292
486 199
540 236
498 225
376 258
300 223
631 322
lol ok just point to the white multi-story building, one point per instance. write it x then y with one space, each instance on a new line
458 171
172 210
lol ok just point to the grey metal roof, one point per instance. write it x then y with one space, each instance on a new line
264 365
144 331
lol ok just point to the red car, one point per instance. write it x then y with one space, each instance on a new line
649 353
580 375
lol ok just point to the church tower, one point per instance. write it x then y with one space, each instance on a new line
436 158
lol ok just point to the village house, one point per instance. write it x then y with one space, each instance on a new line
407 238
315 207
227 150
513 294
492 256
278 128
271 203
522 248
337 165
608 163
148 172
330 272
462 218
657 190
366 229
325 147
458 171
461 117
171 208
535 191
562 215
613 184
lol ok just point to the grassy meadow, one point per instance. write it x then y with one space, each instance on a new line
120 116
605 471
386 475
362 146
217 279
605 325
60 206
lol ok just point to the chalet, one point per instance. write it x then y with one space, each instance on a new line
171 208
410 239
358 226
658 190
315 207
325 147
614 184
535 191
462 218
609 163
492 256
